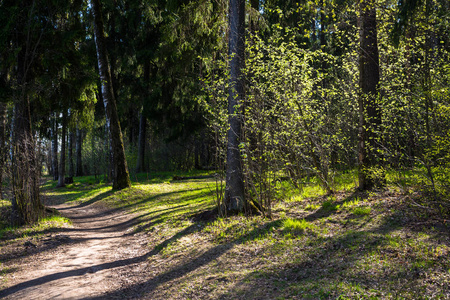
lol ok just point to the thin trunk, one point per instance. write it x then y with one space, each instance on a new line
121 177
55 148
62 158
109 163
3 147
70 154
78 146
140 164
370 169
234 191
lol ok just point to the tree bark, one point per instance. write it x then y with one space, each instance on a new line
121 177
62 156
3 148
78 147
234 200
70 153
55 148
2 144
26 202
371 173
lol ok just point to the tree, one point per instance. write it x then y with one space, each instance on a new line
62 159
25 175
121 178
234 191
3 127
78 148
370 170
54 150
70 153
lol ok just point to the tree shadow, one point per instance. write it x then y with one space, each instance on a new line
187 267
327 264
327 210
95 199
152 284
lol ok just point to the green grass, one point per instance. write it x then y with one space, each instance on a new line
361 211
296 227
44 224
348 245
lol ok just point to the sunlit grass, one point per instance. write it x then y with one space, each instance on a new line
311 190
44 224
345 181
361 211
316 246
297 226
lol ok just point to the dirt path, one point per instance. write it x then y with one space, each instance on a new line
89 260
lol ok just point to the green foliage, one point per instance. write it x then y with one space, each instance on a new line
361 211
296 227
44 224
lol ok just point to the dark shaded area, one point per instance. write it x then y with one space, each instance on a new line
101 196
206 215
328 261
183 269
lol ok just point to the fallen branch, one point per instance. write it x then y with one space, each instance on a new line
177 178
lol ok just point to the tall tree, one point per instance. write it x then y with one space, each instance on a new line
70 153
234 190
62 157
26 37
54 150
370 171
78 146
121 178
3 130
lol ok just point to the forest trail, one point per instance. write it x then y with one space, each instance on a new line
87 261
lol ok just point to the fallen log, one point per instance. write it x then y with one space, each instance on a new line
177 178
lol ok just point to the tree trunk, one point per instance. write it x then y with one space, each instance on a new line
121 177
3 148
109 163
26 202
78 147
62 158
70 153
234 189
140 165
371 173
55 148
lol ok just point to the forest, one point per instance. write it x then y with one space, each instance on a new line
260 149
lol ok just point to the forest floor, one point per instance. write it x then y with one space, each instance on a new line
92 257
160 239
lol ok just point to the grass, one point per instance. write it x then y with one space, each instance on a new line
292 227
45 224
349 245
361 211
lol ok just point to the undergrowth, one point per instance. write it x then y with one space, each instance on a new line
385 244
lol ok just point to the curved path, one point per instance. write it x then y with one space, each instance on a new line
89 260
